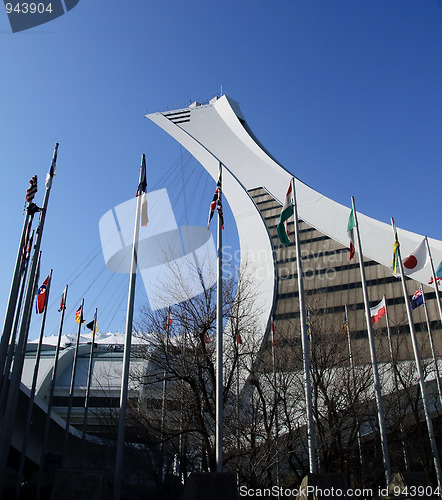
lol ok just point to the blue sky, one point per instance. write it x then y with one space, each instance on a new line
346 94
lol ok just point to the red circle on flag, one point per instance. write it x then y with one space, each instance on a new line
411 262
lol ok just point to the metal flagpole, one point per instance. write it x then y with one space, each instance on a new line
311 434
13 294
72 385
374 362
219 340
275 402
89 377
54 375
353 374
33 388
11 403
396 381
436 286
419 366
128 341
433 351
11 347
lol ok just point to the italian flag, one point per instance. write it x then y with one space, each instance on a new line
378 311
350 232
287 212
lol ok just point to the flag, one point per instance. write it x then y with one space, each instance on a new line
309 327
62 301
378 311
32 189
286 213
167 321
79 316
438 274
395 264
345 324
206 338
272 329
238 339
417 260
41 296
27 246
51 174
216 203
417 299
92 326
350 232
142 190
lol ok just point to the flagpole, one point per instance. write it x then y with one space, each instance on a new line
128 341
396 381
163 399
353 374
33 388
72 384
433 351
311 434
11 403
436 286
54 375
374 362
14 291
419 365
11 347
275 402
219 341
89 377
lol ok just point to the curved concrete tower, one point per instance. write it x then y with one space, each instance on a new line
255 185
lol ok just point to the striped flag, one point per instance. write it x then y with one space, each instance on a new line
32 189
92 326
378 311
62 301
41 296
142 190
216 203
350 232
79 316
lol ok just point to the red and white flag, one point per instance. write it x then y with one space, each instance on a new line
417 260
378 311
41 296
32 189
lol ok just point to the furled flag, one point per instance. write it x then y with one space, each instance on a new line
92 326
62 301
378 311
32 189
416 260
216 203
350 231
41 296
79 316
345 324
27 247
417 299
395 264
309 327
272 329
206 338
238 339
287 211
142 190
438 274
51 174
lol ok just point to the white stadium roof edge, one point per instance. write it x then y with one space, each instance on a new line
217 132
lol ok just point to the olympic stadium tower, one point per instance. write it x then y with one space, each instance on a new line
255 185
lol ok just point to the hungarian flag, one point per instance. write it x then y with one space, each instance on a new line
417 299
79 316
438 274
417 260
350 232
287 211
41 296
62 301
378 311
142 191
216 203
32 189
